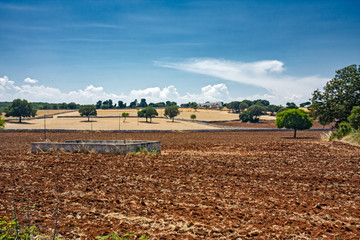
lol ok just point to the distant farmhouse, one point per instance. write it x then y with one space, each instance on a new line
211 105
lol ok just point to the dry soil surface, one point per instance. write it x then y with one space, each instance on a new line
244 185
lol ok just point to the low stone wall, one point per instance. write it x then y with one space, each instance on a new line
117 147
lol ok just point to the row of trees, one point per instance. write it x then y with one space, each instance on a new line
240 106
108 104
148 112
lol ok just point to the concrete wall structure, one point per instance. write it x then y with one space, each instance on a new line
118 147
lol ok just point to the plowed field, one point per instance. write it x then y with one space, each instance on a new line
243 185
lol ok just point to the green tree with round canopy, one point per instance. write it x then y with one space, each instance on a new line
125 115
88 111
20 108
172 112
296 119
148 112
193 117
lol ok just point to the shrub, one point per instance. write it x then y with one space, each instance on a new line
245 116
10 229
2 123
344 129
354 118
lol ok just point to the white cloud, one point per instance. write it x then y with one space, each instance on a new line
268 74
212 93
91 94
29 80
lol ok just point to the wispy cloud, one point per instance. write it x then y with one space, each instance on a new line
20 7
98 25
267 74
91 94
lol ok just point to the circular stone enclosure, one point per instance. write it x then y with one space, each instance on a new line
116 147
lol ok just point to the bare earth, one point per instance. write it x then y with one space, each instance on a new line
224 185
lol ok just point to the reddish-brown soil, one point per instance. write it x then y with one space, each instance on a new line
238 185
265 124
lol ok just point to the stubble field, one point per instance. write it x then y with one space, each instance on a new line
223 185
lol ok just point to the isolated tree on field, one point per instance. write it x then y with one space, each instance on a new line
172 112
193 117
255 112
88 111
339 97
125 115
148 112
296 119
354 118
20 108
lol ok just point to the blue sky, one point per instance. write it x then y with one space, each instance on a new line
84 51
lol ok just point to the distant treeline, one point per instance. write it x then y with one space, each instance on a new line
234 106
45 105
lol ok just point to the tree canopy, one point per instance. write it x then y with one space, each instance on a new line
340 95
172 111
252 114
354 118
88 111
20 108
148 112
296 119
125 115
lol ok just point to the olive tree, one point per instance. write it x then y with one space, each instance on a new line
20 108
88 111
193 117
296 119
125 115
252 114
172 112
148 112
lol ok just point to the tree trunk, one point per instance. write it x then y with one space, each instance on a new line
88 118
20 119
172 119
294 133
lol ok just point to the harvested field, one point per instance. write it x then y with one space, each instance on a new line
243 185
